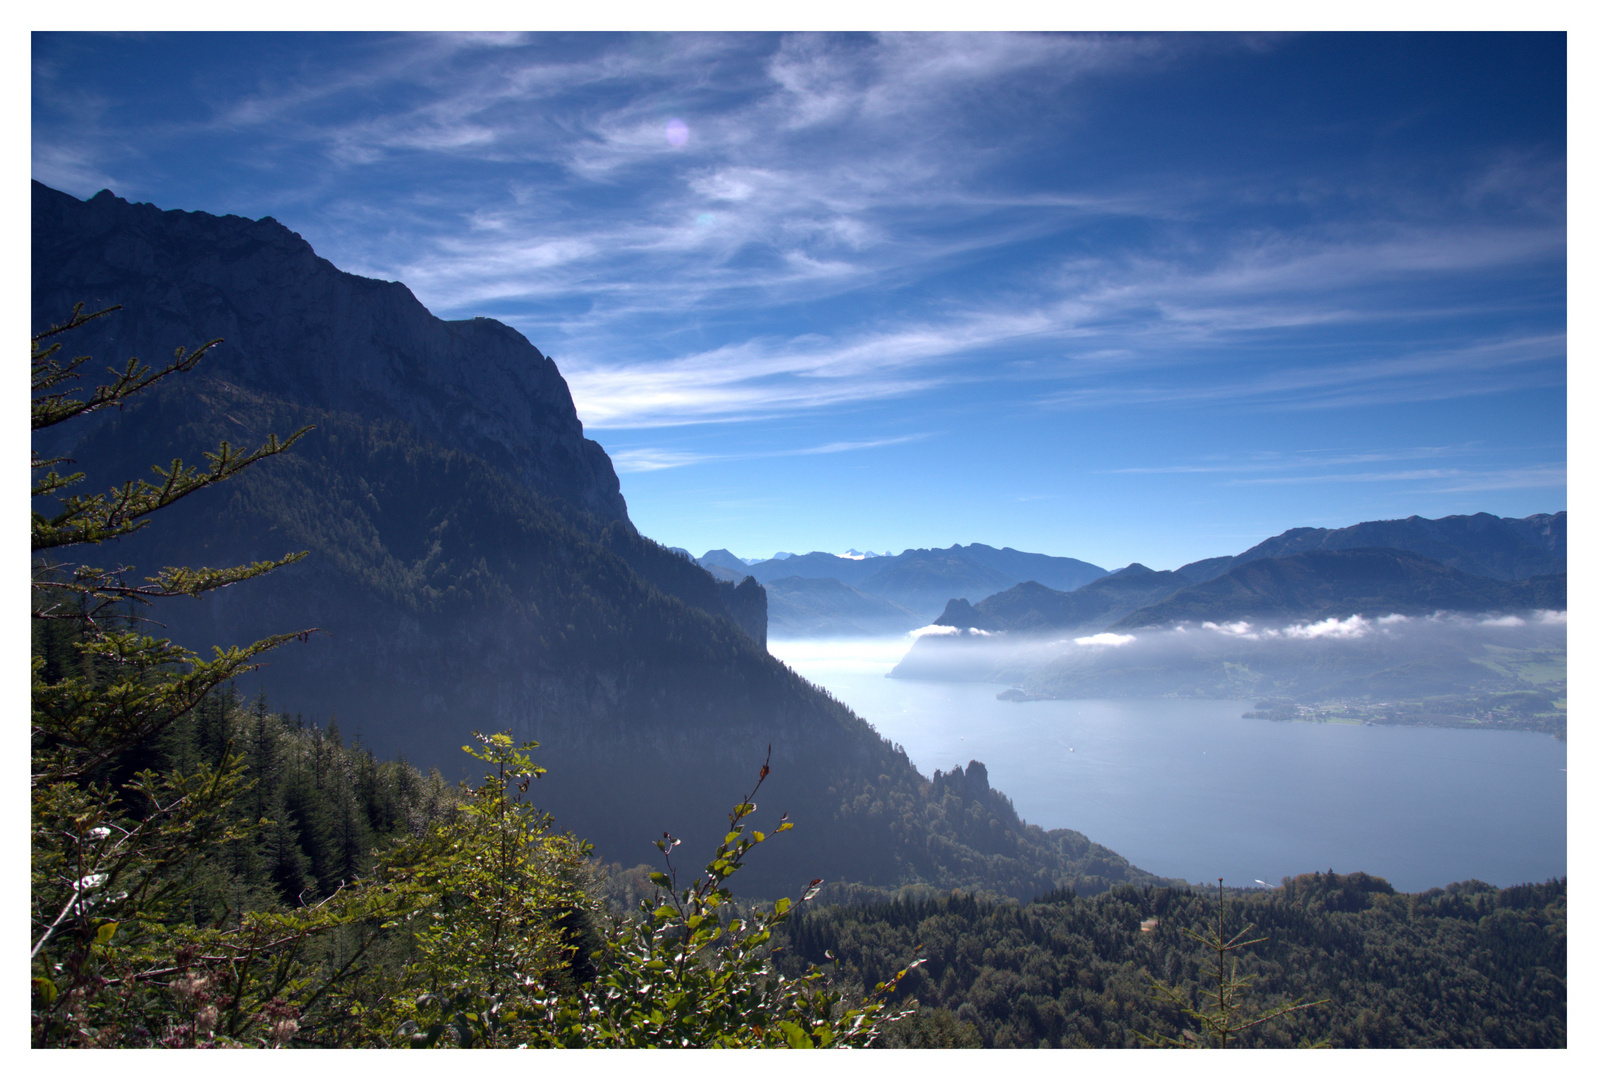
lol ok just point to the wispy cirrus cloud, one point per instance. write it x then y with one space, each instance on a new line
1430 375
653 459
1299 460
1064 238
1547 475
762 378
1343 467
820 168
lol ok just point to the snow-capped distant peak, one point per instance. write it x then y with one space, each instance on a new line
857 555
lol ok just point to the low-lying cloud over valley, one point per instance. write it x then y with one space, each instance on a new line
1360 656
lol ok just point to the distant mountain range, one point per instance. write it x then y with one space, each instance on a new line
889 593
1307 584
1302 615
981 587
1031 607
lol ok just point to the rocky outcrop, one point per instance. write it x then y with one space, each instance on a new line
296 327
959 614
970 782
746 606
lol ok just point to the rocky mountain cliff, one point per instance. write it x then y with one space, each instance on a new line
471 564
297 328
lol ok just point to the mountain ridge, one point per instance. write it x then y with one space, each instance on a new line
917 581
473 384
1479 544
1199 590
1341 583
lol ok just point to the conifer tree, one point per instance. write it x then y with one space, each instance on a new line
1218 1011
115 842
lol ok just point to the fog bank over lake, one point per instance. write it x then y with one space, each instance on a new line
1190 789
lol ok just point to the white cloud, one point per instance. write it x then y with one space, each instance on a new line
653 460
1232 629
1355 626
1504 620
1109 639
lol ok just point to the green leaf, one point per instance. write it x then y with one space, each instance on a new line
798 1037
104 934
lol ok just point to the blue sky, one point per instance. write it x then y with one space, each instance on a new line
1137 297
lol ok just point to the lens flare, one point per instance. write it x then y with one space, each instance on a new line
676 132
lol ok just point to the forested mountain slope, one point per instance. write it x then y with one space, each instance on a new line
472 567
1466 966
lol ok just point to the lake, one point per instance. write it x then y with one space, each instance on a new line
1190 789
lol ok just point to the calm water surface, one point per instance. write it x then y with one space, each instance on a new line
1190 789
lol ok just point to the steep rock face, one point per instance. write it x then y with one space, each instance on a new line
296 327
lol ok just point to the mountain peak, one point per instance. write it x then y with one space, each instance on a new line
852 553
296 327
